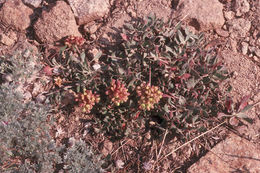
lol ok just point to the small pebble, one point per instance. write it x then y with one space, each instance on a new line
6 40
244 48
257 52
40 98
229 15
222 33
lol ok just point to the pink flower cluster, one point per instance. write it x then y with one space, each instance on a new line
117 92
149 95
87 100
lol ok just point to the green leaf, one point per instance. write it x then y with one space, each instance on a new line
248 107
220 76
249 120
241 115
62 49
129 26
181 37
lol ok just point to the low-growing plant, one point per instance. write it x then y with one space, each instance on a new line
160 71
80 158
176 79
26 144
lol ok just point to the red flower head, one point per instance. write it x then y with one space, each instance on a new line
117 92
87 100
149 95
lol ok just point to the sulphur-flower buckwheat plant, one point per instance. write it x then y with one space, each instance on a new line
117 92
149 95
74 41
87 100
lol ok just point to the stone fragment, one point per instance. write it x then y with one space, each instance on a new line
235 154
15 14
6 40
252 41
244 47
233 45
91 27
258 42
251 49
40 98
33 3
2 1
255 58
89 10
222 33
229 15
56 23
107 147
241 7
257 52
202 15
239 27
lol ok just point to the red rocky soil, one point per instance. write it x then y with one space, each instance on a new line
233 25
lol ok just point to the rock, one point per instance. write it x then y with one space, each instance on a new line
203 15
15 14
241 7
89 10
33 3
251 49
2 1
56 23
107 147
145 8
258 42
247 39
229 15
6 40
233 45
252 41
91 27
244 47
235 153
40 98
239 27
257 52
255 58
222 33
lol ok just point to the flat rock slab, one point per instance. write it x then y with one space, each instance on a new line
56 23
235 154
203 15
89 10
15 14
